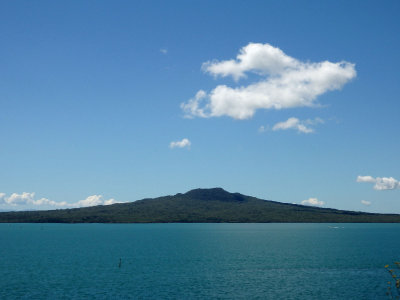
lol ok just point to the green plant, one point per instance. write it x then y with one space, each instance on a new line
394 284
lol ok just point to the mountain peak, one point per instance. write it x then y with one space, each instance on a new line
218 194
207 190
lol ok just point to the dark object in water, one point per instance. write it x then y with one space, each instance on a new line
120 262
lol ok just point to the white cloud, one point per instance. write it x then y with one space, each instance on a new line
93 201
286 83
164 50
110 201
381 183
262 129
365 179
16 199
262 59
180 144
313 202
28 201
365 202
296 124
192 107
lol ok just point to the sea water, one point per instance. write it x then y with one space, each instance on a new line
197 261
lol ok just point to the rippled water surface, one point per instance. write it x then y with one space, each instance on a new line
196 261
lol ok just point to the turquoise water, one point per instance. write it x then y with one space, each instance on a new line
196 261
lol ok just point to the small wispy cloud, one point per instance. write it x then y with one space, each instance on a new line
164 50
313 202
380 183
365 202
262 129
300 126
184 143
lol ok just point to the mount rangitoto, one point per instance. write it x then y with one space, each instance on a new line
198 206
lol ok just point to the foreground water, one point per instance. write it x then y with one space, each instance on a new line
196 261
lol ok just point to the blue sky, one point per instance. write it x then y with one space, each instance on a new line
95 101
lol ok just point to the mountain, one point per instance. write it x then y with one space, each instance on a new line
198 206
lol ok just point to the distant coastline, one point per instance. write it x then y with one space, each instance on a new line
199 206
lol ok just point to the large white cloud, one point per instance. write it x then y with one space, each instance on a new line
184 143
286 83
381 183
313 202
27 200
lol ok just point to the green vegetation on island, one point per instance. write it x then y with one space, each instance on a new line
199 206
